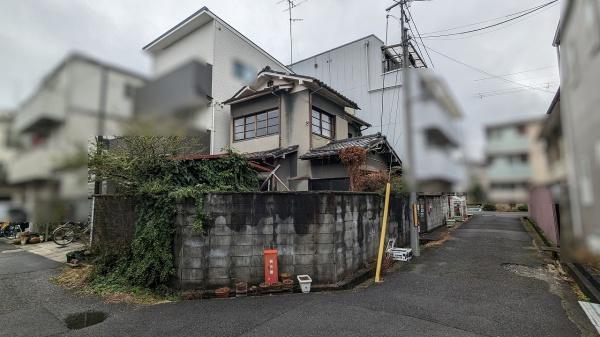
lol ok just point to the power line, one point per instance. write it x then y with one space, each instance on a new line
535 9
517 73
480 22
487 73
419 36
485 32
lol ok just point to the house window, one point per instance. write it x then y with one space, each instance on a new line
334 184
261 124
323 124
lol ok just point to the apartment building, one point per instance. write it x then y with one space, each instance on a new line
578 45
6 154
515 159
372 76
197 65
79 99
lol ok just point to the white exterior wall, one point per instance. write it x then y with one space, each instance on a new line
579 101
198 46
355 70
216 44
229 48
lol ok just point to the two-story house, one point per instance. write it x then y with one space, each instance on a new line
298 125
197 65
371 74
78 100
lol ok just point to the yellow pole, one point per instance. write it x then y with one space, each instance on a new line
384 222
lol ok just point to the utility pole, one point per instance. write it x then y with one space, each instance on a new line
408 170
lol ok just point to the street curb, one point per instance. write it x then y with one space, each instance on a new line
587 284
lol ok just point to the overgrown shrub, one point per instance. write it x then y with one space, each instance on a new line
523 208
489 207
354 158
155 171
372 181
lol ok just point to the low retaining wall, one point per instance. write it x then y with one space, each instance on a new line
329 236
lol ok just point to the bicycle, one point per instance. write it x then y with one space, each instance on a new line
10 230
69 231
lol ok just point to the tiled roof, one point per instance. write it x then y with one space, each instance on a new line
274 153
375 142
350 102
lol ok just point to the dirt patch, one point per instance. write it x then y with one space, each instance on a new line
81 281
445 237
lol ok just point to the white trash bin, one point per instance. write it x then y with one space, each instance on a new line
305 282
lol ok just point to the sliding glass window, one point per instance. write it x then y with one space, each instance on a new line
260 124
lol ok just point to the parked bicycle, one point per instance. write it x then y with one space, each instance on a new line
10 230
70 231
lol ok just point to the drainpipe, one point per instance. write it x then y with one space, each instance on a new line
367 66
212 128
101 116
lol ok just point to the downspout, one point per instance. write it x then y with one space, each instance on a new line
212 128
367 66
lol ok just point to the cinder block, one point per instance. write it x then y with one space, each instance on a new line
219 251
300 269
241 274
324 258
304 258
326 219
242 240
221 240
192 274
242 250
241 261
325 238
191 262
325 248
218 273
285 239
326 227
221 262
284 228
304 248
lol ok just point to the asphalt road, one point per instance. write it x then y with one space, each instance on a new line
458 289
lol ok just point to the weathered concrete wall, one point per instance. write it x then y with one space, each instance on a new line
114 221
328 235
431 212
542 211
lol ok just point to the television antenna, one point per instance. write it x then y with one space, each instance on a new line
291 5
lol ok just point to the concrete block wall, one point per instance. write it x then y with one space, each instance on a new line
114 221
327 235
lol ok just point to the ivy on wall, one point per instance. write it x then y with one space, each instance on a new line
155 171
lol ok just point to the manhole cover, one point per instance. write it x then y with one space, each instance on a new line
84 319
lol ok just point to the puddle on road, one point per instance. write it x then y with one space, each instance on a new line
84 319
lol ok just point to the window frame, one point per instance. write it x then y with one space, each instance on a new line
254 122
332 123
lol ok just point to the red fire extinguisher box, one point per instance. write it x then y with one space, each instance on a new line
271 270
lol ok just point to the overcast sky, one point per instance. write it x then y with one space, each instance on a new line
36 34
